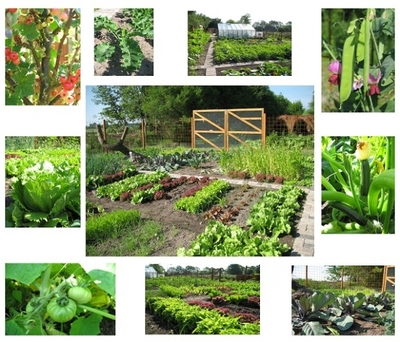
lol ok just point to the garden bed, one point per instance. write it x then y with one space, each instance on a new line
186 305
180 228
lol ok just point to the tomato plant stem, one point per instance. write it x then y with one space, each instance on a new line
96 311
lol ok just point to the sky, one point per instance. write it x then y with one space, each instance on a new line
235 11
292 93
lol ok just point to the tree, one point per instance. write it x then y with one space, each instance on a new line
160 104
245 19
191 269
310 109
159 269
234 269
122 104
295 108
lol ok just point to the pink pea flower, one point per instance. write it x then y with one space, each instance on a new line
336 69
373 84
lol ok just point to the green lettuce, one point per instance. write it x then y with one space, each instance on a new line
46 196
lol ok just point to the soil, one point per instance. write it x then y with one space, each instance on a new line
180 228
113 66
359 327
154 326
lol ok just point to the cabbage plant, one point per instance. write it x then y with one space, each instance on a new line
45 195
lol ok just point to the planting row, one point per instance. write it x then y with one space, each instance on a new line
240 50
193 319
147 187
270 218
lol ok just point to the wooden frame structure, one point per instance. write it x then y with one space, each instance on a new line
223 123
387 278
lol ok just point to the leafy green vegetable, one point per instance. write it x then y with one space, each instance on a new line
45 196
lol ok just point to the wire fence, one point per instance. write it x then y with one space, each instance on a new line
178 133
344 277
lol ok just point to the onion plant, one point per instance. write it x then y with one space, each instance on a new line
358 184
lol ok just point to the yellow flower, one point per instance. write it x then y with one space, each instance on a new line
363 151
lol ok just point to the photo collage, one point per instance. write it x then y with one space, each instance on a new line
176 147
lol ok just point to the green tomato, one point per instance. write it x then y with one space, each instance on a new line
80 294
32 305
61 309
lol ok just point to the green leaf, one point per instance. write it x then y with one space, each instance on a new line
104 279
103 52
312 328
25 273
131 53
86 325
24 85
344 323
29 31
12 328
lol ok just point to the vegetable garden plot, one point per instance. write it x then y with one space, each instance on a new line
185 219
325 313
201 306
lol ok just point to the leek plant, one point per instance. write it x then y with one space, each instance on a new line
358 184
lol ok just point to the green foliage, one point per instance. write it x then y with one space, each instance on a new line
110 225
190 319
98 164
36 37
221 240
338 310
247 50
45 195
132 55
122 233
362 41
273 213
203 199
197 42
286 157
114 190
343 178
36 299
142 20
265 69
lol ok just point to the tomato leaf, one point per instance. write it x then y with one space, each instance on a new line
25 273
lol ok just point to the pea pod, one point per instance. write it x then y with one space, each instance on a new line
348 60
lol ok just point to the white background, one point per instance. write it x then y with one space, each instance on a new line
170 68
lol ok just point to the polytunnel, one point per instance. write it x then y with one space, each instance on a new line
236 31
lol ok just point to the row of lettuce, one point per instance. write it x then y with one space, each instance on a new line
270 218
191 316
45 188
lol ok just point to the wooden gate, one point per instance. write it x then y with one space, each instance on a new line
223 128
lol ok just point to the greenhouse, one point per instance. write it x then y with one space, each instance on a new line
236 31
150 272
